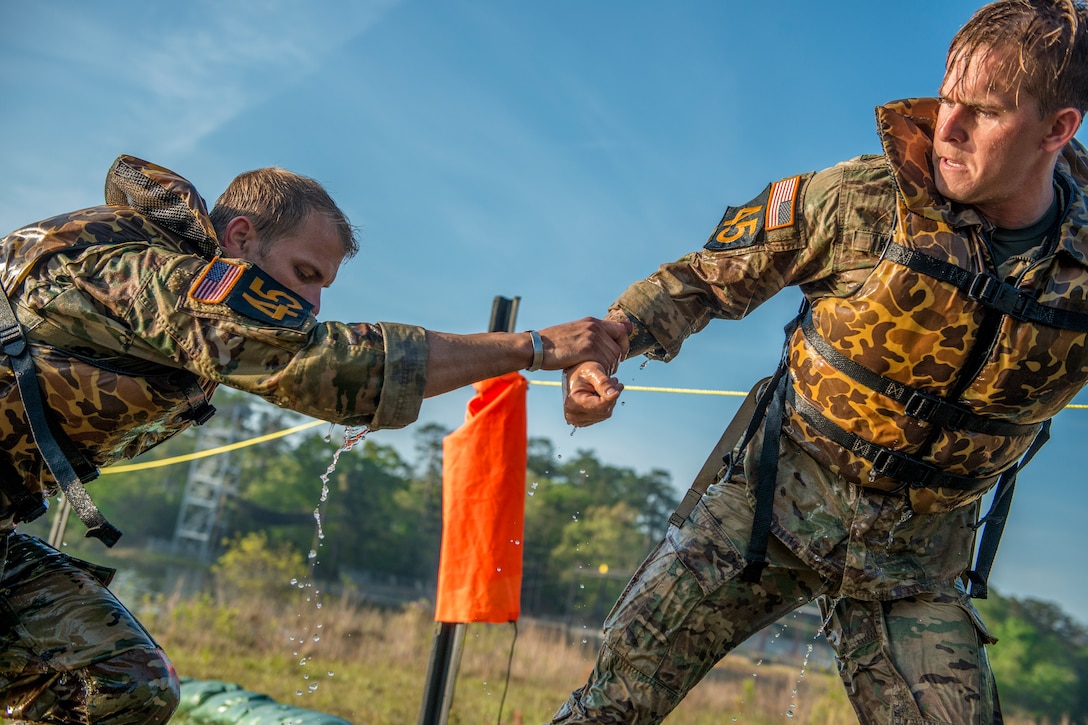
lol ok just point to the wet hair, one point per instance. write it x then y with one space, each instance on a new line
276 201
1038 46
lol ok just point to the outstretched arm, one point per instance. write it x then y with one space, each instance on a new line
458 360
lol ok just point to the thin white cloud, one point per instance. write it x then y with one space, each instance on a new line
178 72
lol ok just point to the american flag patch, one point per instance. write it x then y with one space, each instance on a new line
216 281
780 203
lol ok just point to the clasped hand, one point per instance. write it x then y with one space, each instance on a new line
590 393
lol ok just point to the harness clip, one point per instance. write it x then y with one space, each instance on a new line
983 288
886 463
11 340
920 406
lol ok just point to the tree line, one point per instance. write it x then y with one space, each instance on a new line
588 525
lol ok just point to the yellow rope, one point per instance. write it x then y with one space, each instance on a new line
211 451
312 424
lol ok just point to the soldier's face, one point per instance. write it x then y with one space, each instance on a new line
987 148
305 261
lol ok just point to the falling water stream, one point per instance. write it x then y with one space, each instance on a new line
312 634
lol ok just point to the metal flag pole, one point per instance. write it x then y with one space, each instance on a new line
449 637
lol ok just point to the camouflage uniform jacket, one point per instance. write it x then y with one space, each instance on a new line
826 232
108 297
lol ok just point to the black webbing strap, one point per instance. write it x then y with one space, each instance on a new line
768 477
758 409
917 404
987 290
773 410
14 345
200 409
885 462
719 464
993 523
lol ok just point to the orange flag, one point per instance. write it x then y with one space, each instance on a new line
483 507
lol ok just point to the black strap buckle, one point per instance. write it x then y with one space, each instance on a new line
886 463
920 406
11 339
203 414
1000 296
1020 304
983 288
934 411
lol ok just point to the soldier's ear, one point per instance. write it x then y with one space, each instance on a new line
239 238
1063 127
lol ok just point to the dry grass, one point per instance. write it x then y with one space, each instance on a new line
369 665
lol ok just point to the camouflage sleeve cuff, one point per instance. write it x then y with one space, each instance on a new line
645 302
405 376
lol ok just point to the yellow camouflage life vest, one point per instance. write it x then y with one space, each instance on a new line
110 406
935 374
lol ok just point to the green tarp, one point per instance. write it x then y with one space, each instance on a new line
208 702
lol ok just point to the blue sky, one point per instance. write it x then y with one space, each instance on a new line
555 151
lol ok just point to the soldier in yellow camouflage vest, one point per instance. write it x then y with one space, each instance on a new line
117 324
946 320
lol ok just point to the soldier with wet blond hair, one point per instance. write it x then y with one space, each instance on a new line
117 324
945 320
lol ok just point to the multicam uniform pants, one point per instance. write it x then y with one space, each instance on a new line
69 651
913 661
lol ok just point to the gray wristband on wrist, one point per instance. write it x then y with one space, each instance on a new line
538 351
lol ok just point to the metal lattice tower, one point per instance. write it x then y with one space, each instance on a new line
212 481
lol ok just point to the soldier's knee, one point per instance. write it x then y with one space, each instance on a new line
138 686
